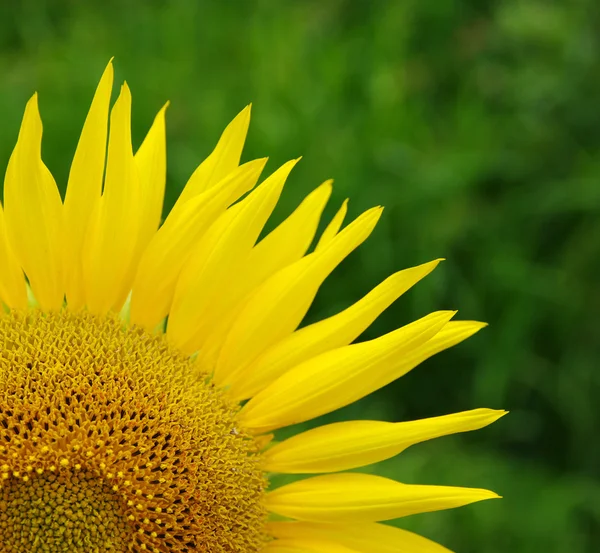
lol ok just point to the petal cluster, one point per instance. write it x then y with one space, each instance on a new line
235 300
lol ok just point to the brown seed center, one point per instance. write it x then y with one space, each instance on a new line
111 441
61 513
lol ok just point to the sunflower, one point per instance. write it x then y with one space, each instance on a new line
145 367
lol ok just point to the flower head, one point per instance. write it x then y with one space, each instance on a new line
144 367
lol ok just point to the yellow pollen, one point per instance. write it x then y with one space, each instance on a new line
96 417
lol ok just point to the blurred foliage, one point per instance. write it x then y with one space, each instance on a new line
475 123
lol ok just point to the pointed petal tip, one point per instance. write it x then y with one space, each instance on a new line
108 75
475 494
431 265
325 188
491 415
109 71
447 314
375 211
259 162
484 494
123 99
32 121
160 117
287 166
32 103
244 115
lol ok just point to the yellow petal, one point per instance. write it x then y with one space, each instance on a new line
291 239
364 498
13 291
305 546
362 537
151 163
223 159
85 186
338 377
110 246
453 333
351 444
339 330
217 258
170 248
33 213
334 226
284 245
278 306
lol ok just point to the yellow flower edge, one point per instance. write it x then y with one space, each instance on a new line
146 365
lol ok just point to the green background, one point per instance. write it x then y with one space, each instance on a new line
477 125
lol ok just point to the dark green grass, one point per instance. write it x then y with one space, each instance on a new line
477 125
